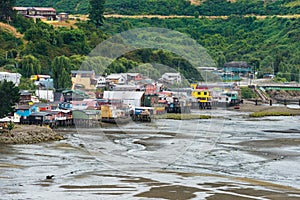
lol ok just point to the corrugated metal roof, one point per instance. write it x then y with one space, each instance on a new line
82 72
115 76
40 114
125 95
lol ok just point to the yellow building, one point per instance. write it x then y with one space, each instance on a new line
83 79
203 96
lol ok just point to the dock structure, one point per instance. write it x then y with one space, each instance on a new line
86 118
285 87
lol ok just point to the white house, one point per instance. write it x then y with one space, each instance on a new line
45 94
117 78
133 98
101 80
171 78
13 77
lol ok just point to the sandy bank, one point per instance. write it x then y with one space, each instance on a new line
249 106
24 134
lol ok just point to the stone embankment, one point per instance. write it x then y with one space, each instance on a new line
24 134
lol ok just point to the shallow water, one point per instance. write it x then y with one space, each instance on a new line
230 157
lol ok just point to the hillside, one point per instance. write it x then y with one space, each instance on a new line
12 30
175 7
268 44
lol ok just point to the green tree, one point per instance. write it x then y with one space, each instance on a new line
6 11
248 93
9 96
26 84
61 69
30 65
96 11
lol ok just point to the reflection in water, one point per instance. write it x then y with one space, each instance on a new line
236 158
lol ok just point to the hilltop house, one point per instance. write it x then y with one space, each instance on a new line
63 16
37 12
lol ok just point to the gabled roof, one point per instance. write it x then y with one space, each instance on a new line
115 76
34 8
82 72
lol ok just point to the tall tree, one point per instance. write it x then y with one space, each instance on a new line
9 96
61 70
96 11
30 65
6 9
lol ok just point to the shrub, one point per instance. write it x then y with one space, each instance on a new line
10 126
248 93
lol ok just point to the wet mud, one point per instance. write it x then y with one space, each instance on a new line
209 159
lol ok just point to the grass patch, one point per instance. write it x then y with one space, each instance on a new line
271 113
293 4
182 116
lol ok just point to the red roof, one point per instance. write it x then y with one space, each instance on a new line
34 8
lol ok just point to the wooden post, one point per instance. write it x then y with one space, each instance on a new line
271 102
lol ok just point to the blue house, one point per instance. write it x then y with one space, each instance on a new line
24 111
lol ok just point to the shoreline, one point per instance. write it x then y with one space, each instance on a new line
29 134
262 110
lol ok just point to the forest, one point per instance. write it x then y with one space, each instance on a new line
175 7
268 45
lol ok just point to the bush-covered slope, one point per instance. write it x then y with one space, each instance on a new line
174 7
268 45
